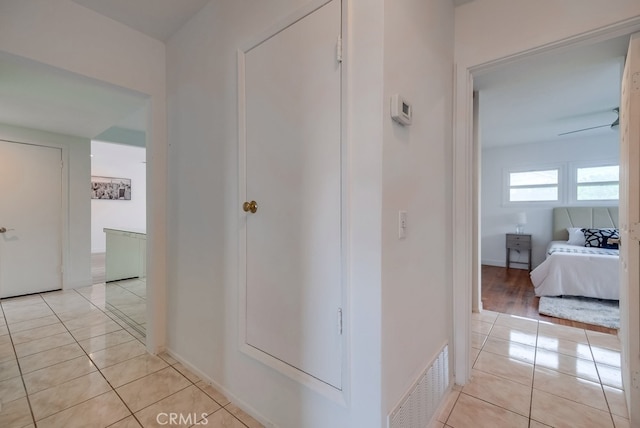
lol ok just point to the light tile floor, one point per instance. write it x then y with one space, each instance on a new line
528 373
64 362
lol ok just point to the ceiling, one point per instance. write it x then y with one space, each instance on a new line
40 97
529 100
156 18
536 99
37 96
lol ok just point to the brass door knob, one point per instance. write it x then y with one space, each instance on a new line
250 207
3 229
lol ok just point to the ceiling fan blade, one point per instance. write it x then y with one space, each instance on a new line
583 129
617 121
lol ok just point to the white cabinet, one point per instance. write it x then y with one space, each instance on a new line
126 255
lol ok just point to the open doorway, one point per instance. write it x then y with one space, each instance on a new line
118 218
46 106
546 141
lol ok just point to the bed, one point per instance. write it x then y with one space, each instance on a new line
576 270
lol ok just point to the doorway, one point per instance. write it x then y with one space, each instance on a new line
119 218
544 122
463 190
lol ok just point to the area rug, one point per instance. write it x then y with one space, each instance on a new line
583 309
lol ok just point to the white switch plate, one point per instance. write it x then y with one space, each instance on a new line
402 224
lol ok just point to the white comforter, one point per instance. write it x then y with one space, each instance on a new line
571 270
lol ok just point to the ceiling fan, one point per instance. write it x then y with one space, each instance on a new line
611 125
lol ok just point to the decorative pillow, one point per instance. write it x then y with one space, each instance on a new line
576 236
600 237
613 243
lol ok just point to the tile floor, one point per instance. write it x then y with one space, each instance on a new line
64 362
127 299
529 373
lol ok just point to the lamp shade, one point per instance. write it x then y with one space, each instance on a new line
521 218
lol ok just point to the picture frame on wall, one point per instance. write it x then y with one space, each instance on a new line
111 188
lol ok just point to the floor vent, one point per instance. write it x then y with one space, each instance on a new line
421 401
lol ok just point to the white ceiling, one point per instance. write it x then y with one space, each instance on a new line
156 18
536 99
37 96
527 101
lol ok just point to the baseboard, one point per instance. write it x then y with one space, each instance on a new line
498 263
502 264
230 396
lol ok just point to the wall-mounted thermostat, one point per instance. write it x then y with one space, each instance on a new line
401 110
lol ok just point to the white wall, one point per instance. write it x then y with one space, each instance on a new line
416 271
117 160
204 214
77 257
203 160
498 218
63 34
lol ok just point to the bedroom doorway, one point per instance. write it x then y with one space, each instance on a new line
525 174
465 191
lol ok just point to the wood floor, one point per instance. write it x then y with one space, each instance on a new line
509 291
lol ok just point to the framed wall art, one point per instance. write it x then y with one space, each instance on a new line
111 188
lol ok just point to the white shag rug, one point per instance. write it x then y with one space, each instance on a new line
583 309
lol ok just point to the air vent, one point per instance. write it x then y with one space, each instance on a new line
422 400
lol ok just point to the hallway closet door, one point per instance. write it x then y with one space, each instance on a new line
30 219
291 166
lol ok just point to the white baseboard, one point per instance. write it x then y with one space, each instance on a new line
499 263
230 396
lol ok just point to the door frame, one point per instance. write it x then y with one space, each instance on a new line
466 172
64 202
340 396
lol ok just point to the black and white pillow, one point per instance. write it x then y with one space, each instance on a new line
600 237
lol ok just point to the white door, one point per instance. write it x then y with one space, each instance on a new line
30 211
292 163
630 229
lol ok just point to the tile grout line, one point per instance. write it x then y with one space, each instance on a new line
613 422
533 377
26 393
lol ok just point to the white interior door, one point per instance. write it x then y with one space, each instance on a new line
630 229
292 156
30 210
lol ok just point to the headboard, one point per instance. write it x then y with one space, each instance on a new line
587 217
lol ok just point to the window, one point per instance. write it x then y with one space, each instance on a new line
534 186
599 183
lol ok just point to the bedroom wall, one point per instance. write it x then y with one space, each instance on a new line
117 160
63 34
498 218
78 254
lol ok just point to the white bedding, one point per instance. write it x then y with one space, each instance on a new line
571 270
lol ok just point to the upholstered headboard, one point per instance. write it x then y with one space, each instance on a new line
587 217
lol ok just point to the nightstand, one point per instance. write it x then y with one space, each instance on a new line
520 243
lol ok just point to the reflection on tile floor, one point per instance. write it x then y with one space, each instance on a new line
127 299
65 362
529 373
